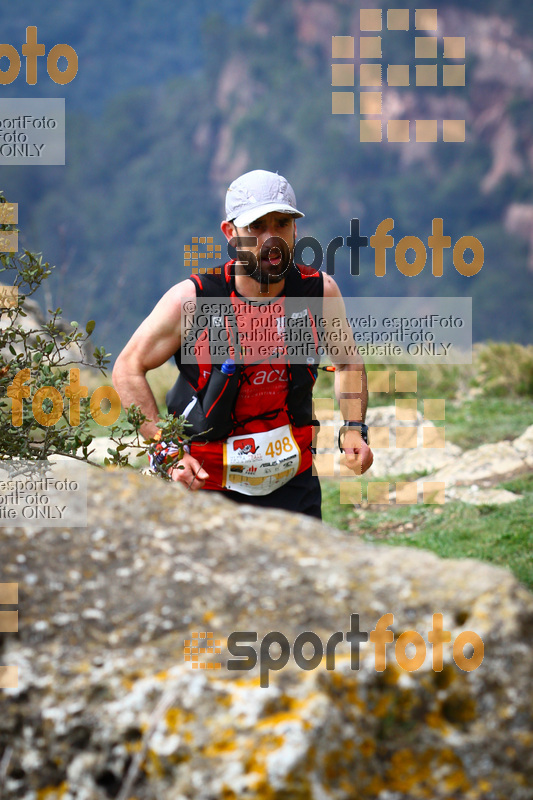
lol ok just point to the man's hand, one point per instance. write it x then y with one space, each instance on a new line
358 454
193 476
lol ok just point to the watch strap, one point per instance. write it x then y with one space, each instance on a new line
352 424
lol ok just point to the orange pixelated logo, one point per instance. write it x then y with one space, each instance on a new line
201 247
377 78
406 434
201 644
241 645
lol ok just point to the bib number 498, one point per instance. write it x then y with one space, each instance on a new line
278 447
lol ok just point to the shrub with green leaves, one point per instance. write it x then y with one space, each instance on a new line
506 368
41 356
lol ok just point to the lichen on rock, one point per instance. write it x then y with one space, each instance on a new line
107 707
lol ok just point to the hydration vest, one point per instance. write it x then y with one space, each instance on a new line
187 394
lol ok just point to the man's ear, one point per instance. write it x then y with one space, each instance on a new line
228 229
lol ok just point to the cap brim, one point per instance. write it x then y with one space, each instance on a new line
244 219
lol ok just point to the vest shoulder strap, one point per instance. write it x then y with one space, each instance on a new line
211 285
301 281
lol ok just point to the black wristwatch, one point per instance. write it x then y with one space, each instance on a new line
351 424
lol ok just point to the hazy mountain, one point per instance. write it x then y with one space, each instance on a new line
253 90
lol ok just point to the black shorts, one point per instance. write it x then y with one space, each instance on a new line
301 494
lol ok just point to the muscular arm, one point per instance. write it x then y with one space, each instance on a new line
350 377
153 343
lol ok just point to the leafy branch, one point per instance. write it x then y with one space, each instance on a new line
44 360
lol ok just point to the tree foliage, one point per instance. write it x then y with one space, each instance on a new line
43 359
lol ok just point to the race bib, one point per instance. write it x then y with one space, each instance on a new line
259 463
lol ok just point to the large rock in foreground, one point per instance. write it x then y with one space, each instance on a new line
106 706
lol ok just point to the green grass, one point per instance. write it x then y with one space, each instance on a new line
478 421
486 420
470 423
501 535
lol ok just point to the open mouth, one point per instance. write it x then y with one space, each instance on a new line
273 259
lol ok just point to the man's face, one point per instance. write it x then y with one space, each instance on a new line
271 262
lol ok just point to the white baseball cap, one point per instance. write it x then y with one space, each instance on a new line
257 193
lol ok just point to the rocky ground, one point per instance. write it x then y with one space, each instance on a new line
468 475
107 707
